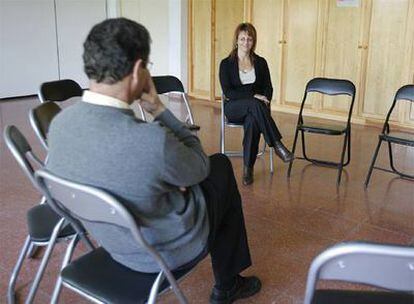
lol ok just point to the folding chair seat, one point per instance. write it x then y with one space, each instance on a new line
323 129
96 275
399 138
225 123
42 221
333 87
388 267
59 90
168 85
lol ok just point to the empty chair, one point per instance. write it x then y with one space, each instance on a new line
332 87
42 222
397 138
96 275
59 90
166 85
49 93
389 267
226 124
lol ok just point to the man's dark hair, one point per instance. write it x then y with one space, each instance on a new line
112 48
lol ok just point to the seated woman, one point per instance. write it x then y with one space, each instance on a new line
245 81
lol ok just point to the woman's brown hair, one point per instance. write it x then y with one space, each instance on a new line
251 31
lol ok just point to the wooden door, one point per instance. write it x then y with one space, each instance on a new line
200 48
300 55
228 14
267 17
409 109
387 58
343 29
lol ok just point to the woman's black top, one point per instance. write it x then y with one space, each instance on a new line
232 86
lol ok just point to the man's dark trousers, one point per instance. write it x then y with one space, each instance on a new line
228 245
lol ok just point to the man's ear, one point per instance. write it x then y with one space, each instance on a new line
135 71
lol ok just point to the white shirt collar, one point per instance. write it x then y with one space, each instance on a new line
104 100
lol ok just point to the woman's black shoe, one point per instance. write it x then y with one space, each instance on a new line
245 287
283 152
247 175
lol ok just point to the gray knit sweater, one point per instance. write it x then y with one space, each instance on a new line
142 164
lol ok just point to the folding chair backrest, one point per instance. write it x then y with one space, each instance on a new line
21 150
331 86
41 118
87 203
166 84
84 202
171 84
59 90
386 266
404 93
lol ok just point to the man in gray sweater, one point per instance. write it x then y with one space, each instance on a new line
187 203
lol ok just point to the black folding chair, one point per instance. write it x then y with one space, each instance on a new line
326 86
398 138
44 225
170 85
389 267
59 90
96 275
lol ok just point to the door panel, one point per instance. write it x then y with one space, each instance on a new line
201 48
386 55
228 14
300 48
266 18
342 55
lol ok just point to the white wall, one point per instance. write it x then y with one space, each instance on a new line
41 47
166 20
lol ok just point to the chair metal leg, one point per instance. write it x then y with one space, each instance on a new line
374 159
44 262
32 251
349 149
222 140
293 151
304 146
222 131
271 159
341 164
16 271
395 170
155 286
65 262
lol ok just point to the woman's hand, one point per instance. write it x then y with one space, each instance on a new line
262 98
